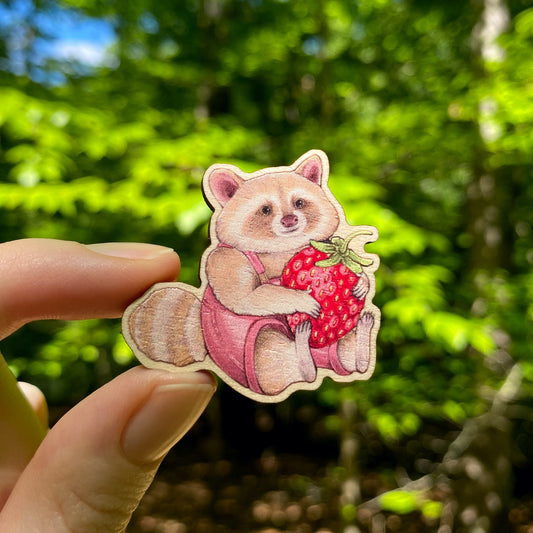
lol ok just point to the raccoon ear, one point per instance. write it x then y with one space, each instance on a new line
224 183
311 169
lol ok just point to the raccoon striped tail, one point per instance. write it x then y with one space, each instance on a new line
164 325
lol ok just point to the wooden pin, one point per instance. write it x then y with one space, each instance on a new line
286 288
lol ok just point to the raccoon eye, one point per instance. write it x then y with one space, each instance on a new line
266 210
299 204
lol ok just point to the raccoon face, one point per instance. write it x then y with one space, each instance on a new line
279 210
276 213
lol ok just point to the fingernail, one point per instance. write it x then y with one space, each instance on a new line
130 250
167 415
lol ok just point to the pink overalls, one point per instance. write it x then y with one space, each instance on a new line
230 338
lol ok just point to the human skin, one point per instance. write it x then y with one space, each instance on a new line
89 472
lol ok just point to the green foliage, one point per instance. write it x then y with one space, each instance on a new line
427 141
349 512
405 502
399 501
78 357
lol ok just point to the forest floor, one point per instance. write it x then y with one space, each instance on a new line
272 494
259 486
275 493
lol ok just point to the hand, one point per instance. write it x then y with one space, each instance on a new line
307 304
362 287
90 471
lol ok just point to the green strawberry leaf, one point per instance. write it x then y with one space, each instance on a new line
337 241
358 259
354 266
324 246
340 253
335 259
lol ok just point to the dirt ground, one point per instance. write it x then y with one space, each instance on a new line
277 479
272 494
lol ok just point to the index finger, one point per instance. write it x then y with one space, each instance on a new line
45 278
42 278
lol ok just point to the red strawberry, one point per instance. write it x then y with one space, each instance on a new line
329 270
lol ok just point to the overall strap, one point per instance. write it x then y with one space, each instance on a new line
258 266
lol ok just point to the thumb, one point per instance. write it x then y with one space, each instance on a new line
94 466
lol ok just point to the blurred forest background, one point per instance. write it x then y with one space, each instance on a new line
110 111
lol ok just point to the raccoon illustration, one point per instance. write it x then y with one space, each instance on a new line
236 322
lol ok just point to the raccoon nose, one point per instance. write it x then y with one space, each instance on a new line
288 221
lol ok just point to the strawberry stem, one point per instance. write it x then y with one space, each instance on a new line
338 251
348 239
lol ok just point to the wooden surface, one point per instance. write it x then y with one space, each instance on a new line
286 288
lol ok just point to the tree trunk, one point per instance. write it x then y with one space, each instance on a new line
348 460
478 465
486 193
